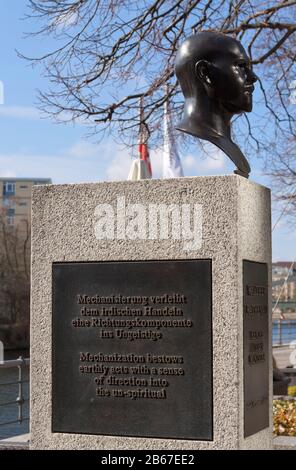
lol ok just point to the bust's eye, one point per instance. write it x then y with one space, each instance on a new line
243 67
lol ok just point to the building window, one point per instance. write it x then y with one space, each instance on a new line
10 221
10 212
23 187
23 203
8 203
8 189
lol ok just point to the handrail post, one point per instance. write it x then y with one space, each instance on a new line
1 352
280 331
20 398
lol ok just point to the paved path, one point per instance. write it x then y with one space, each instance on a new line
15 442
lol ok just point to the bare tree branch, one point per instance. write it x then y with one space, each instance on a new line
112 53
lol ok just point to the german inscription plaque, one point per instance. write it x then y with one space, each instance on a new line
256 347
132 349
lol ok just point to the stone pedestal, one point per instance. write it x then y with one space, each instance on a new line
103 256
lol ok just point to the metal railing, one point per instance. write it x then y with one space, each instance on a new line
21 363
283 332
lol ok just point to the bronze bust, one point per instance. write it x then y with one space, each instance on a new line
217 81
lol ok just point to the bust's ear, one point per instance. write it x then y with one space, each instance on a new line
203 71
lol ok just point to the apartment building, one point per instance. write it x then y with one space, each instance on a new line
15 199
284 281
284 290
281 269
15 225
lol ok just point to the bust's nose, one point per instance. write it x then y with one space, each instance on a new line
252 77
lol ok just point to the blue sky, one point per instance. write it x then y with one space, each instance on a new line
32 146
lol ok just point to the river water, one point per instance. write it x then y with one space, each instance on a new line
283 332
9 393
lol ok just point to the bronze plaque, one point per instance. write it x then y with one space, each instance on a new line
132 349
256 347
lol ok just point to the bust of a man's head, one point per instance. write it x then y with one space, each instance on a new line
217 81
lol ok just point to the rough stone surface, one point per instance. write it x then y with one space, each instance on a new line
236 226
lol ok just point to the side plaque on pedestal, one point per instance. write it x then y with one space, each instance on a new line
132 349
256 347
